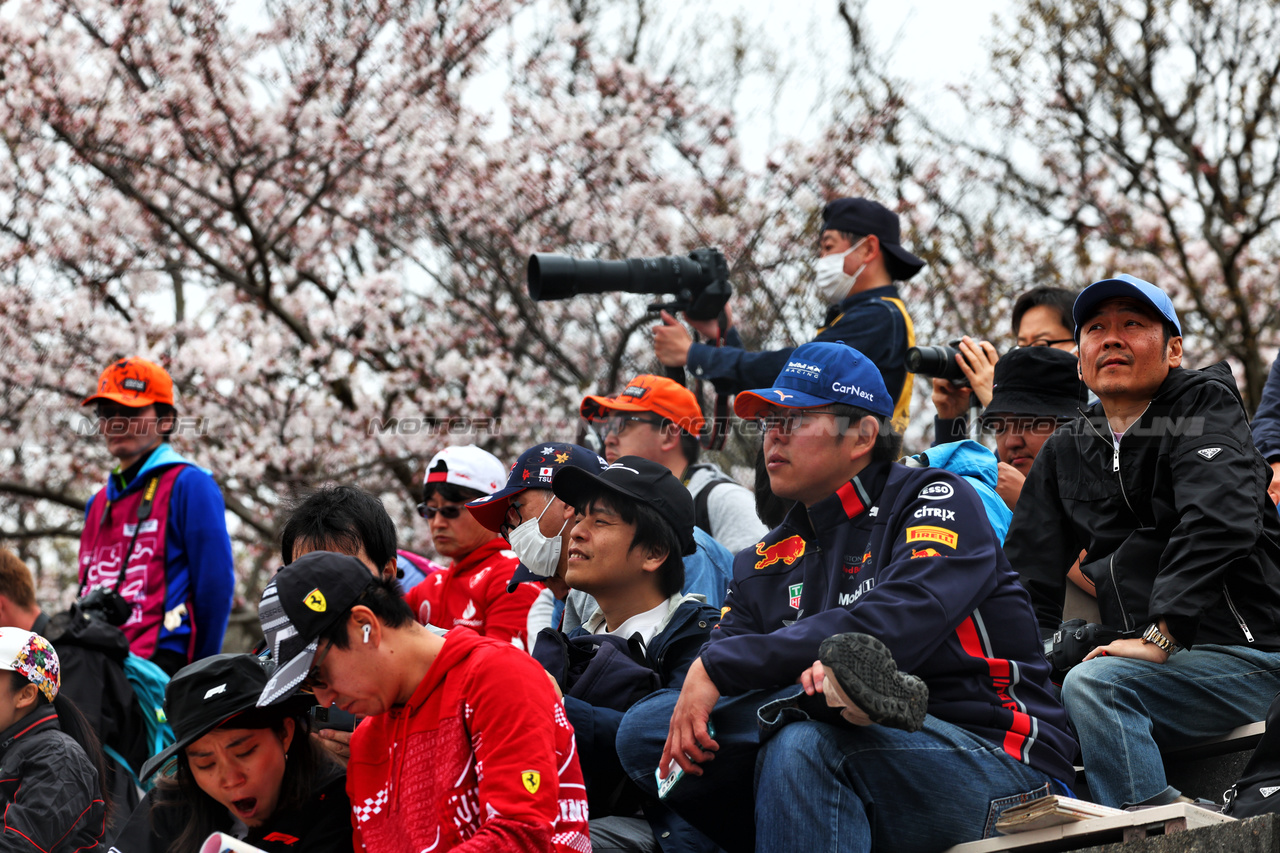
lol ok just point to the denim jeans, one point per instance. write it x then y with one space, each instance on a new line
1125 711
799 787
843 788
719 803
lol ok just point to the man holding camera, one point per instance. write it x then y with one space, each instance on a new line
903 557
1159 482
155 551
1041 319
860 256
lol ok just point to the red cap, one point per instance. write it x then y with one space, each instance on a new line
133 382
648 393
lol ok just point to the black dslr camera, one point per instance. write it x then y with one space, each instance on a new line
1074 639
105 604
938 362
699 283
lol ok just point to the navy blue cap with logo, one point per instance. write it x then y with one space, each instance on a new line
819 374
1123 285
534 469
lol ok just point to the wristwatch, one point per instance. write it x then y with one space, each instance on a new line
1156 637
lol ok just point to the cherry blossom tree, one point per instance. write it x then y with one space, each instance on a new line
304 214
1141 136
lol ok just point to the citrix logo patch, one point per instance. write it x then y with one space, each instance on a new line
934 512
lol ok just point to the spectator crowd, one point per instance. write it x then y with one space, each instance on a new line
635 652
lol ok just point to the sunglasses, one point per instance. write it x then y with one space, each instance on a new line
313 681
430 512
108 412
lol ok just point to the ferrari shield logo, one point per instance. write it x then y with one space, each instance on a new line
315 600
532 779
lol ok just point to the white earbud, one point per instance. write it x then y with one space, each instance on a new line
367 629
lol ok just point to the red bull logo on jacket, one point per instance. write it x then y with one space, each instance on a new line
787 551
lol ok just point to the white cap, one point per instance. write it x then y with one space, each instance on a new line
467 466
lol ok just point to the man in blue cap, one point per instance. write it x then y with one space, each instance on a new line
860 256
1160 484
877 567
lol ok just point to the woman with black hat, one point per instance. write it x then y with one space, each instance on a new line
246 771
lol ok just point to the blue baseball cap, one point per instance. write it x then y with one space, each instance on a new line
818 374
1123 285
533 470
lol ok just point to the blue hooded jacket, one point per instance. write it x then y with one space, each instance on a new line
979 467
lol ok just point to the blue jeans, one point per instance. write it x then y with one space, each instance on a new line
844 788
720 802
1125 711
800 785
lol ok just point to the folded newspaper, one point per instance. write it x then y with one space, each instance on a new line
1050 811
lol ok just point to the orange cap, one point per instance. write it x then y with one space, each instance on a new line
648 393
133 382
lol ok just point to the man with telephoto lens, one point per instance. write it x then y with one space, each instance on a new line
860 256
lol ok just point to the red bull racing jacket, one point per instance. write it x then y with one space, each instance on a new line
906 555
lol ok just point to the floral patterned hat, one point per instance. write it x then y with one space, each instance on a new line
34 657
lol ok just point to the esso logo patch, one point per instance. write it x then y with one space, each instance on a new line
937 492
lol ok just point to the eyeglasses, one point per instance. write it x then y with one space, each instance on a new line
106 411
1045 342
619 423
450 512
515 518
313 681
790 422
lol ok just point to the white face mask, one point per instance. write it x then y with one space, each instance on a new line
833 284
540 554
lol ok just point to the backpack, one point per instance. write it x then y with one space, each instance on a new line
149 681
701 515
1257 791
600 669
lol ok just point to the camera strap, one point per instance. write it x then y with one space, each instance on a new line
144 512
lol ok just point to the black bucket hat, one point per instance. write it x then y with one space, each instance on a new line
1036 382
208 693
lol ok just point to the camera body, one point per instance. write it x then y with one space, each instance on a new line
699 283
1074 639
938 362
103 603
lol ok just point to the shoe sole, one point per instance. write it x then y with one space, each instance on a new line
864 669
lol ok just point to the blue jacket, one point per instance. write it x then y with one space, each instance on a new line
670 654
864 321
708 570
1266 422
906 555
197 552
979 467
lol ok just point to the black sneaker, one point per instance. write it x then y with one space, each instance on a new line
865 671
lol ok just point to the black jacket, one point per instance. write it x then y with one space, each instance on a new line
322 825
49 793
1176 523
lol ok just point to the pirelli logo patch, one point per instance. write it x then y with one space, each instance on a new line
941 535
